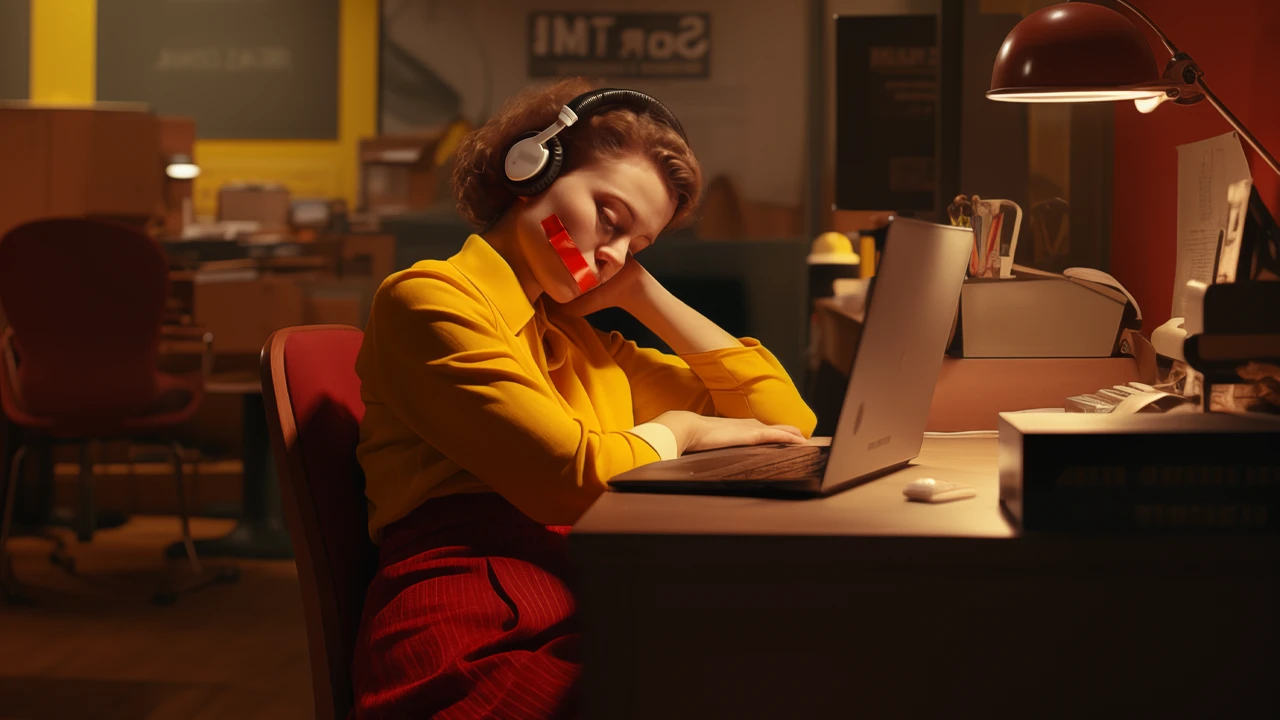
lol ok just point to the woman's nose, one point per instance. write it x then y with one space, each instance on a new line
611 256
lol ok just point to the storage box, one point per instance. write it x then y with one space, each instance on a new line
1038 317
1075 472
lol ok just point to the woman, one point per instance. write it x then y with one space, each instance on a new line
496 414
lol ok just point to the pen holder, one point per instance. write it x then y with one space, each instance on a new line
992 256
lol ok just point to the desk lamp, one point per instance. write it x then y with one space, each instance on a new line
1080 52
181 167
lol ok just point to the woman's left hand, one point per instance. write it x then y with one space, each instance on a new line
626 287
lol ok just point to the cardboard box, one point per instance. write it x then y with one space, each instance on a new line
270 206
398 174
100 160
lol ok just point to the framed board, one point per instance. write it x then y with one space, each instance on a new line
244 69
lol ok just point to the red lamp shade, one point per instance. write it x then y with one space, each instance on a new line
1075 52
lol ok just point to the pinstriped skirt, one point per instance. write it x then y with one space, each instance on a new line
470 615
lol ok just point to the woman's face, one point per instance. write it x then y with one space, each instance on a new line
611 208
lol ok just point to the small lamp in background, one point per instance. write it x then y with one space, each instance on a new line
1081 52
182 167
179 213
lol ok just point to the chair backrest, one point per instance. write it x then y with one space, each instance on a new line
85 299
313 404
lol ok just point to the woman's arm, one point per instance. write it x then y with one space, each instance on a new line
712 372
745 381
683 329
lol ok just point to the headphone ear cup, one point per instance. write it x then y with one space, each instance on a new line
548 174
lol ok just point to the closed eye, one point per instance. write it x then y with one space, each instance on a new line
610 229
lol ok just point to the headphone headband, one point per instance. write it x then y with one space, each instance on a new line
596 101
534 160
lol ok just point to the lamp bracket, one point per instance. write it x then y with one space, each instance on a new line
1183 75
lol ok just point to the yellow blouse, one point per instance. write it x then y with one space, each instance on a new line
470 388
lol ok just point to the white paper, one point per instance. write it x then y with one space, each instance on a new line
1206 170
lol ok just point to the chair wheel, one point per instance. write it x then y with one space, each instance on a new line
164 598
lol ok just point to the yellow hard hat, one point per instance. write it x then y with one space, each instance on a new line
832 243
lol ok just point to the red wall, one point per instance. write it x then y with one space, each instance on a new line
1235 43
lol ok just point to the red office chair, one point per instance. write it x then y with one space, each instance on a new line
85 300
314 410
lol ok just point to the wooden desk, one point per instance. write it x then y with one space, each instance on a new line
863 604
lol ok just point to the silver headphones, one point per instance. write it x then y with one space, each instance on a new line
535 159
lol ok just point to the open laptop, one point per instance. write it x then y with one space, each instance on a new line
908 321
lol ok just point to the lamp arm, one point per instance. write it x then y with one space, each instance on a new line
1192 78
1173 50
1239 126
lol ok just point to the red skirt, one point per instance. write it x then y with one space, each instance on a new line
470 615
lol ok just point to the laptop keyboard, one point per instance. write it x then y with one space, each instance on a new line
760 462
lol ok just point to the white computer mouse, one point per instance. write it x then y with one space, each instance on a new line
930 490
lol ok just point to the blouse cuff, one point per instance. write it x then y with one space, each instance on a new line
659 437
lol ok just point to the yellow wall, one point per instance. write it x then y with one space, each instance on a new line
63 71
64 45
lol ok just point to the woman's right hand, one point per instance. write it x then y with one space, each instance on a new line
696 432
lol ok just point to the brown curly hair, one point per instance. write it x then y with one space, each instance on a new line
478 178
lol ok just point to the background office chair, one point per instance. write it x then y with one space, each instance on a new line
85 301
314 410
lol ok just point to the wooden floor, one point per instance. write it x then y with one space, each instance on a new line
95 647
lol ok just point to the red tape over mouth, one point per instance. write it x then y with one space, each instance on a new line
569 253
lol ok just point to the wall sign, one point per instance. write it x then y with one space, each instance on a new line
15 49
249 69
668 45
